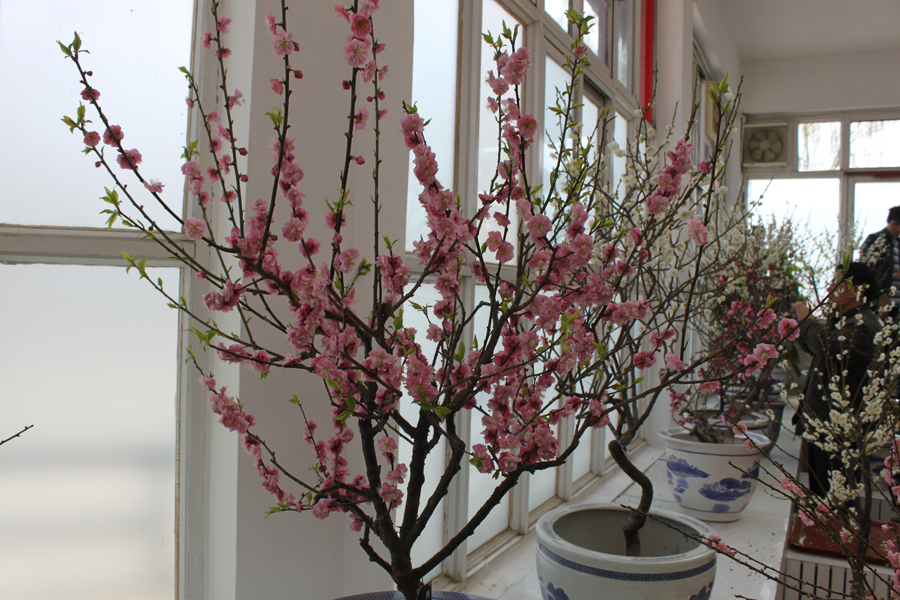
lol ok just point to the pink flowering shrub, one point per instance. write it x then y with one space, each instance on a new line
591 290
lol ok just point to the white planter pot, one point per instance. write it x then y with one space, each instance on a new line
703 482
581 556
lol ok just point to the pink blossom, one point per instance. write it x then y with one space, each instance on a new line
282 42
360 118
515 68
697 232
346 261
505 252
223 52
90 94
91 138
367 7
223 23
271 23
480 452
112 134
208 37
154 186
342 12
235 99
673 363
130 159
788 485
645 360
787 329
360 25
657 203
708 387
703 167
194 228
277 86
527 126
356 52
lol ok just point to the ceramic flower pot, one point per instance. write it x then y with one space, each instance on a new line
701 479
756 423
581 556
398 596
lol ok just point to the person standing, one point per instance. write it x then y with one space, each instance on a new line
842 348
881 253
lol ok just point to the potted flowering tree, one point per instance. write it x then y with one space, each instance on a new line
753 313
585 287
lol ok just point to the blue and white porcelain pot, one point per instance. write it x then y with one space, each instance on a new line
581 556
712 482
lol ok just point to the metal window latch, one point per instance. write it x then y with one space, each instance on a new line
424 592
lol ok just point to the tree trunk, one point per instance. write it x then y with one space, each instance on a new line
638 517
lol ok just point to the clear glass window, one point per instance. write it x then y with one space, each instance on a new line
555 81
135 51
819 146
620 136
597 39
874 144
88 503
871 202
557 10
625 43
434 91
493 17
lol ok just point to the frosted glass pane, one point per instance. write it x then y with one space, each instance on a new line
620 135
88 503
872 201
555 81
590 115
481 485
625 25
434 91
541 487
432 538
597 38
818 146
557 11
874 144
135 50
493 16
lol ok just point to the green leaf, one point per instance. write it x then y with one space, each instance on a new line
388 243
64 48
476 462
294 400
184 70
398 321
342 418
77 43
441 411
275 116
81 109
460 352
68 121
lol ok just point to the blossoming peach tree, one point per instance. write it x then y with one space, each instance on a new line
588 284
751 321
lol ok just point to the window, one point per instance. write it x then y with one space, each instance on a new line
93 488
841 174
610 81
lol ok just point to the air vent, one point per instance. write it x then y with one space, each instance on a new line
765 145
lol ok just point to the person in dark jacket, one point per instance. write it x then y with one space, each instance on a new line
881 253
842 348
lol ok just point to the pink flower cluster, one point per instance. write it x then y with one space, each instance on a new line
669 182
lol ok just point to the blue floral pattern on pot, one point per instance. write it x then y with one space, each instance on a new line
682 468
551 592
703 594
726 490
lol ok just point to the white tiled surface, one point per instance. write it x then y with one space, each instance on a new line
760 532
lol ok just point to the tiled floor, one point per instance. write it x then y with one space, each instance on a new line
760 532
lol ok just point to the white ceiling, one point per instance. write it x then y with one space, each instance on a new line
772 29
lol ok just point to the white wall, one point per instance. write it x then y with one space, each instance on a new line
290 556
823 83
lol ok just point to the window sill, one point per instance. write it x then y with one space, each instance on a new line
761 532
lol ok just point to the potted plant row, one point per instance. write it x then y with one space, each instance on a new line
591 291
